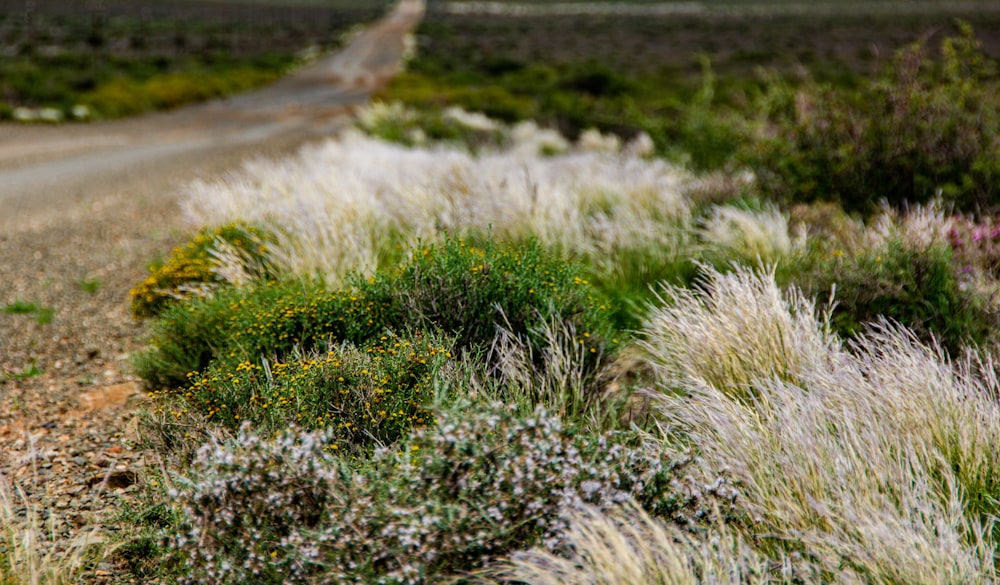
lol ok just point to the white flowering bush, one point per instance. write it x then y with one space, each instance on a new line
448 500
254 509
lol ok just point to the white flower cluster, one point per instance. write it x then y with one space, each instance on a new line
471 489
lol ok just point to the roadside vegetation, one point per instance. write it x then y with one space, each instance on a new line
64 62
744 340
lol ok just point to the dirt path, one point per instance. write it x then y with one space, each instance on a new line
83 209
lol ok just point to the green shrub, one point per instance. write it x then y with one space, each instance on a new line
460 290
369 395
926 128
124 96
918 288
194 268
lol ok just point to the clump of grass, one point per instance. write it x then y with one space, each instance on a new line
748 236
27 555
25 373
89 285
887 450
348 205
43 315
733 330
20 308
627 546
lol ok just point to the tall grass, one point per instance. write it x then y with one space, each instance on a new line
349 203
879 461
627 546
30 552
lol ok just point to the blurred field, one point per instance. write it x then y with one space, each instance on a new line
121 57
828 38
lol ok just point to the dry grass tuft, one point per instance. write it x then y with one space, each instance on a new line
628 547
30 553
880 461
335 206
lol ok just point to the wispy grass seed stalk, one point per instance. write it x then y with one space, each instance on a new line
334 205
29 553
878 462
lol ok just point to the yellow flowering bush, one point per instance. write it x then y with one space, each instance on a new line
212 257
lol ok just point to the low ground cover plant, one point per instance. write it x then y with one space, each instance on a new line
440 505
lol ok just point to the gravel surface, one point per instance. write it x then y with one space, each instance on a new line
68 399
78 228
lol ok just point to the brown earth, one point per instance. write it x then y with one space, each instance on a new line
83 210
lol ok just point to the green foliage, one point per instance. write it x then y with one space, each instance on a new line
89 285
43 315
915 287
20 308
459 290
26 373
627 280
122 96
365 396
192 270
927 128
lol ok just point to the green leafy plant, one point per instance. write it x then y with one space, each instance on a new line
43 315
89 285
369 395
918 288
458 289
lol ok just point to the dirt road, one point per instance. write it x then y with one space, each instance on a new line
48 172
83 210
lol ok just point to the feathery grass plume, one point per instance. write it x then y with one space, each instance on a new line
732 331
27 555
625 546
333 205
918 228
754 237
879 463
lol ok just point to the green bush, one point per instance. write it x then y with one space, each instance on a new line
191 269
918 288
123 96
926 128
458 289
365 396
